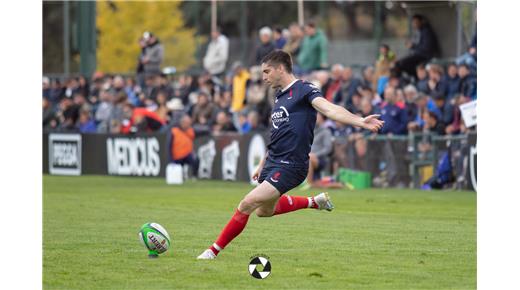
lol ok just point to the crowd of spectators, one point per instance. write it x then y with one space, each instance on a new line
412 93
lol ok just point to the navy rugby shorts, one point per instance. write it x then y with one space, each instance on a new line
282 178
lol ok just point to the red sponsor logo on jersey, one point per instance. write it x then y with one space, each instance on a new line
275 177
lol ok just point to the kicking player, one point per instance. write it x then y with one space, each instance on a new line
286 162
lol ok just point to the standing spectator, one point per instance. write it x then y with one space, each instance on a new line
293 44
217 53
238 97
139 71
181 144
470 57
468 82
423 46
266 45
452 81
394 117
313 53
154 53
384 62
279 39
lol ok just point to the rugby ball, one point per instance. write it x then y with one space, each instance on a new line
154 238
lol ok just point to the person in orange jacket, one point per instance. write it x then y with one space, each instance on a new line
181 144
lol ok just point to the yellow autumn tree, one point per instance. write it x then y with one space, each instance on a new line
120 24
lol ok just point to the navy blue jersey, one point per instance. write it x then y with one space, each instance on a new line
292 125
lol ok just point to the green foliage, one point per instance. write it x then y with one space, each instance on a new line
374 239
120 24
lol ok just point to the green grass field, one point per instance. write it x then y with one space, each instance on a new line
374 239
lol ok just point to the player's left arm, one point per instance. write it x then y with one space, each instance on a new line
342 115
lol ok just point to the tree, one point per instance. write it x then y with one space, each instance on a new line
120 24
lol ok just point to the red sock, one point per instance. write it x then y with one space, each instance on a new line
233 228
288 203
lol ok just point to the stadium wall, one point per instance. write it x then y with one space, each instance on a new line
234 157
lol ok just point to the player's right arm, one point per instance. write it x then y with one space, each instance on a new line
260 167
340 114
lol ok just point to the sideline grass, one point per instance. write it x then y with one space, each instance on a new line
374 239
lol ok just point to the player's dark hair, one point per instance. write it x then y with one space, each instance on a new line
279 57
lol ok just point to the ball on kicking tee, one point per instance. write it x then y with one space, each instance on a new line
154 238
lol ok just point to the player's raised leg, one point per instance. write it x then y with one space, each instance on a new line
262 194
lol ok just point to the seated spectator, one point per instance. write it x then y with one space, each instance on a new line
83 86
436 88
279 39
86 123
266 45
46 87
103 111
334 82
423 46
176 111
417 123
410 96
223 124
251 123
203 110
457 125
181 144
394 117
468 82
444 109
68 115
368 77
139 120
49 117
320 150
162 109
421 82
57 92
432 124
452 81
71 88
132 90
349 86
